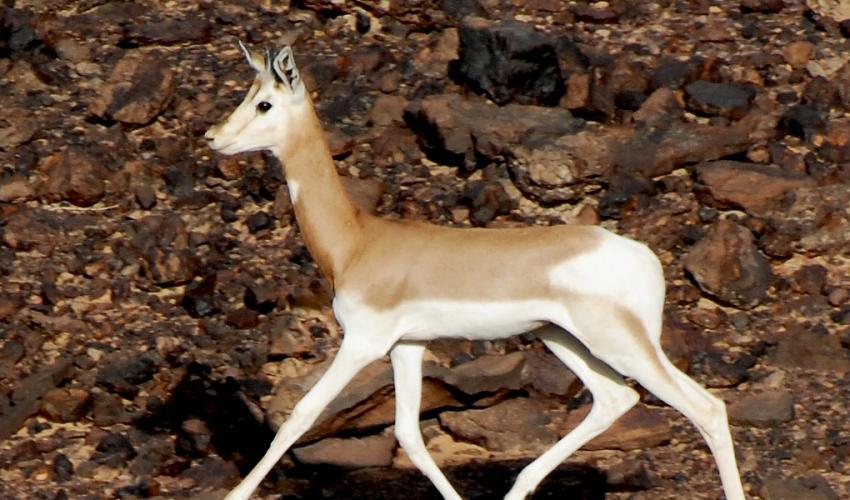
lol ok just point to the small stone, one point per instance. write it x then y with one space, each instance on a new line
719 99
371 451
66 405
242 318
810 487
259 221
114 450
146 196
762 6
810 279
798 53
838 296
591 14
767 409
124 374
15 189
803 121
63 469
194 438
199 299
388 110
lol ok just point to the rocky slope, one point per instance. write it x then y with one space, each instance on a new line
159 313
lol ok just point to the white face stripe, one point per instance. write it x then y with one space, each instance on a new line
293 190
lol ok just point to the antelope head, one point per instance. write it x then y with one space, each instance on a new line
270 111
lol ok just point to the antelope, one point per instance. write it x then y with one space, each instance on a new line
594 298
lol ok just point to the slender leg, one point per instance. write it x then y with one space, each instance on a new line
611 399
344 367
407 372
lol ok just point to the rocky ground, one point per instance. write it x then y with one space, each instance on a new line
159 313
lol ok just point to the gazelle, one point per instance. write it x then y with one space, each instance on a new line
594 298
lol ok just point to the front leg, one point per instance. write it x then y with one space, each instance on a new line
407 373
352 357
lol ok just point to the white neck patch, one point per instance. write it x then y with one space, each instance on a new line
293 190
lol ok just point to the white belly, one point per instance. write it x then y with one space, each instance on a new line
432 319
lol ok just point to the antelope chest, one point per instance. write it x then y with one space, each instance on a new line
429 319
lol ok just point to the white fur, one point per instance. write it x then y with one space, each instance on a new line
293 190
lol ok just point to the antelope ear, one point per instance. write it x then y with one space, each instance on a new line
285 71
257 61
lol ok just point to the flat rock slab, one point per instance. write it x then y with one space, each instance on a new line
638 429
751 186
766 409
371 451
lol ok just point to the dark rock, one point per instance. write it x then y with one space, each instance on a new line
138 90
509 62
727 264
811 351
762 6
484 374
114 450
486 200
822 93
17 126
194 438
673 73
17 30
108 409
815 220
750 186
810 279
259 221
123 374
766 409
66 405
192 29
261 297
145 196
803 121
625 193
199 299
161 243
371 451
719 99
212 473
63 469
243 318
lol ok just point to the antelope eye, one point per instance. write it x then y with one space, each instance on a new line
264 106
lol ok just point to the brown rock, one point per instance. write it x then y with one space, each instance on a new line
727 264
371 451
26 399
484 374
762 6
810 487
193 29
388 110
638 429
138 90
661 107
767 409
14 189
462 132
798 53
17 126
815 219
66 405
75 176
811 351
753 187
364 193
546 374
519 424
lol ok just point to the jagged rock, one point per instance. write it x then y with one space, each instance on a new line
762 6
810 279
660 108
719 99
199 299
465 132
138 90
767 409
726 263
803 121
114 450
161 246
751 186
371 451
16 189
811 351
520 424
123 374
484 374
26 399
509 62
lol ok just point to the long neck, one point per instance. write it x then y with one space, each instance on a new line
328 221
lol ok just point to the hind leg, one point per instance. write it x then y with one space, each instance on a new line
627 345
611 399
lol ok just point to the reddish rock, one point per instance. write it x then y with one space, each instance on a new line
74 176
66 404
726 263
751 186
